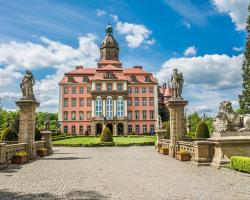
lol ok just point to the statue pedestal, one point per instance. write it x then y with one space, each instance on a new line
46 136
27 124
177 122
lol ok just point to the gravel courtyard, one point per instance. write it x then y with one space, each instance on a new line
127 173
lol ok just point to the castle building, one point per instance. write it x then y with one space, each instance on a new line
123 99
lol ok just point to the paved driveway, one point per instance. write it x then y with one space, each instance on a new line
127 173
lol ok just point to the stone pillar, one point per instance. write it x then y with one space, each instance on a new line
3 162
27 124
114 106
93 108
104 107
46 137
177 122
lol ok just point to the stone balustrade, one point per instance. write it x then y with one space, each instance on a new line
188 147
39 144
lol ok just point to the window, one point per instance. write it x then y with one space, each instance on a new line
151 101
120 86
143 90
109 86
65 129
137 101
85 79
98 107
89 129
73 115
133 79
129 102
73 102
130 115
129 90
88 115
65 115
81 115
81 102
144 129
136 90
151 114
66 102
130 128
73 129
120 106
137 114
144 114
152 128
137 129
71 79
147 79
88 90
98 87
73 90
88 102
151 90
66 90
81 90
144 101
81 129
109 108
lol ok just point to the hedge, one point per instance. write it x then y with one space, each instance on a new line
240 163
202 130
106 135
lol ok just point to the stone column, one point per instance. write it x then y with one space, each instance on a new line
177 122
27 124
46 137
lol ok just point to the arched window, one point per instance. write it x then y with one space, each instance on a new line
98 107
120 106
109 108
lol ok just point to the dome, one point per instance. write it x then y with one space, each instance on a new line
110 42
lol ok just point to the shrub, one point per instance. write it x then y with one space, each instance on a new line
86 133
106 135
202 130
240 163
38 135
8 135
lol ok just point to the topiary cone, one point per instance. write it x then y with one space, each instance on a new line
202 130
106 135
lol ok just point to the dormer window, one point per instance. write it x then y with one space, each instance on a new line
85 79
133 79
109 75
71 79
147 79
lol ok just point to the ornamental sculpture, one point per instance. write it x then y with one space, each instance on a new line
46 122
228 120
176 84
26 86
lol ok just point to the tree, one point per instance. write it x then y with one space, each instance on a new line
244 98
202 130
106 135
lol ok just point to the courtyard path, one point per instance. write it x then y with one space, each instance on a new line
118 173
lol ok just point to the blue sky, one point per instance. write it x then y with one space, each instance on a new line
203 39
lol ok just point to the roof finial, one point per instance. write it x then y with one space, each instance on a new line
109 29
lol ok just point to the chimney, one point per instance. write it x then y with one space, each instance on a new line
137 67
79 67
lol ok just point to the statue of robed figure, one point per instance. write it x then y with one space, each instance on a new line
176 84
46 122
26 86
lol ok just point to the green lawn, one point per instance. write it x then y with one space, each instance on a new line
89 141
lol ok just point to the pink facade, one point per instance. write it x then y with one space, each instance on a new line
123 99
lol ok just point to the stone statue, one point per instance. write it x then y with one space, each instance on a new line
46 122
228 120
176 84
26 86
159 122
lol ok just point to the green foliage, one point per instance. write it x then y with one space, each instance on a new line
38 135
194 119
106 135
40 117
202 130
244 98
166 126
240 163
8 135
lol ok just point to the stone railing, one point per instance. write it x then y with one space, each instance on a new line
12 149
39 144
165 143
186 146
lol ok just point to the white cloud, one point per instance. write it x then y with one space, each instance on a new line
100 13
187 24
236 9
135 34
190 51
16 57
237 48
209 79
